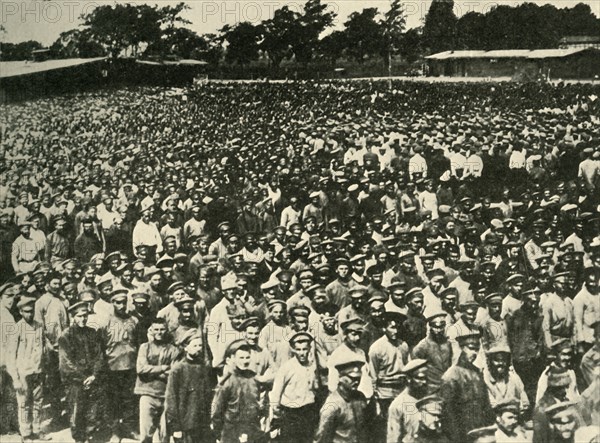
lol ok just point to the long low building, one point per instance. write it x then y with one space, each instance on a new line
581 63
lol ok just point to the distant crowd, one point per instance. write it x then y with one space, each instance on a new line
302 262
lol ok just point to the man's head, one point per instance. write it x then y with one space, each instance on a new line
494 305
158 329
376 310
54 283
25 229
240 354
592 280
414 300
8 293
392 323
277 309
329 318
498 358
416 374
300 344
342 269
469 313
194 346
186 307
430 412
79 313
358 297
350 374
561 417
299 318
353 330
26 307
514 284
563 353
251 329
507 415
437 325
469 345
531 299
397 291
119 301
437 280
561 282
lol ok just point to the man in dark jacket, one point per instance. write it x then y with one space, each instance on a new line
236 409
466 401
87 244
81 364
342 417
187 398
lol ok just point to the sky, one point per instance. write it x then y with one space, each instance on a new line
45 20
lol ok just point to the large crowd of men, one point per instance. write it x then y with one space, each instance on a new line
301 262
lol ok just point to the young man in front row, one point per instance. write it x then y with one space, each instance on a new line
154 362
28 377
294 390
187 397
82 363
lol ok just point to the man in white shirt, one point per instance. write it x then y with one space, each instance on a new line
146 232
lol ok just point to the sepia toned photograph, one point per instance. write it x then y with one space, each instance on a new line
312 221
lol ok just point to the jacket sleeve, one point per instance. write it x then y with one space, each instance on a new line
328 418
172 402
218 406
449 391
68 366
395 430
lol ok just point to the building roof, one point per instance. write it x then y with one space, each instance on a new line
15 69
187 62
508 53
581 39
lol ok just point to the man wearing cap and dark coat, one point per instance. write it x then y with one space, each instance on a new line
342 418
558 383
82 363
357 308
466 400
415 325
338 290
187 395
435 349
403 419
120 345
143 314
236 408
87 244
429 411
59 245
526 340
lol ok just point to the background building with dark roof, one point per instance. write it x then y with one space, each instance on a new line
519 64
